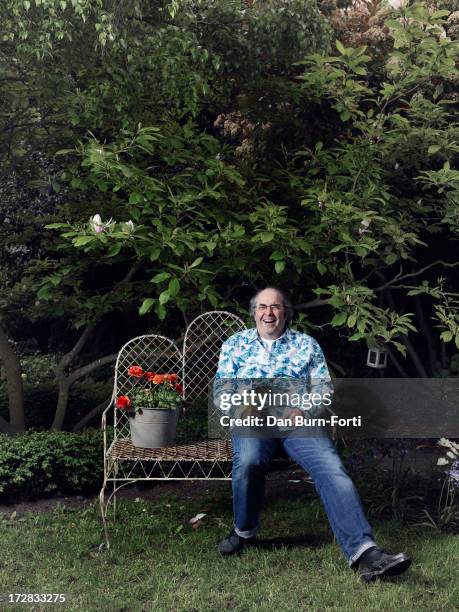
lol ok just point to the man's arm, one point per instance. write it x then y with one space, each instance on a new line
320 380
227 383
226 365
226 371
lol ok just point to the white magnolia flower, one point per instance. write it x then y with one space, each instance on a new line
128 227
364 225
442 461
98 226
397 4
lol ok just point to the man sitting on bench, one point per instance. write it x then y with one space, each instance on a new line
273 350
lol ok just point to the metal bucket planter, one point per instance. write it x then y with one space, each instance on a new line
154 427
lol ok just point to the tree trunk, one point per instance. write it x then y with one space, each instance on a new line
6 428
66 381
62 400
13 382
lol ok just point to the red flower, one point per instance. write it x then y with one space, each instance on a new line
123 402
158 379
173 378
135 371
179 388
149 376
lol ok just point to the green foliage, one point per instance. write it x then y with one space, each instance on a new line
36 463
364 319
446 309
38 368
173 217
101 65
162 396
347 216
209 147
254 41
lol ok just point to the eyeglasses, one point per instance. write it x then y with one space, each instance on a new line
265 307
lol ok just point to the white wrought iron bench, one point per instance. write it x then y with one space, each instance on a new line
197 364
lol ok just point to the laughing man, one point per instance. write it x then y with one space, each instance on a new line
273 350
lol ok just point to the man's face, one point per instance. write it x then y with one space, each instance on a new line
270 314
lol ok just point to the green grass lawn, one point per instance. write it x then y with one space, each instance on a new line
158 562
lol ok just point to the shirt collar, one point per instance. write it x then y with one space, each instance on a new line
253 335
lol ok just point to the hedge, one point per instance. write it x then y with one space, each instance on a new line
40 462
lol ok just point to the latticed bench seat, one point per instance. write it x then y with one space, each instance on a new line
207 450
206 460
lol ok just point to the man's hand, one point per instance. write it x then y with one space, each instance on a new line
291 413
244 411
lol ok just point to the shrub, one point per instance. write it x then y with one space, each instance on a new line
38 368
40 462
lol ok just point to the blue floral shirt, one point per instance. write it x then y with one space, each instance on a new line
293 355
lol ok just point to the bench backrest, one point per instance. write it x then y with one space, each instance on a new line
196 363
201 348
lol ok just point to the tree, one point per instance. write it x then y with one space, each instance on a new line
214 147
350 209
102 67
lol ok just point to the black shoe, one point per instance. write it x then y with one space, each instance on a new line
234 544
379 563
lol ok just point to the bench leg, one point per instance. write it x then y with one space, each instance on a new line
103 512
115 472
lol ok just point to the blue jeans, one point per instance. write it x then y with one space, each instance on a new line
316 455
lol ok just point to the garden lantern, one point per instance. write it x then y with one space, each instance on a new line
377 357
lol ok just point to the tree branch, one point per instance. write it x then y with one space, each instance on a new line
75 351
312 304
90 367
65 382
99 408
397 278
70 356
